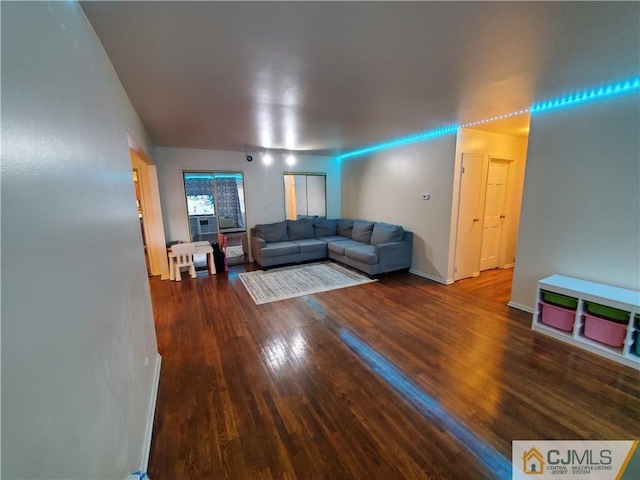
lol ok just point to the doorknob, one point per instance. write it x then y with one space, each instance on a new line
502 216
476 219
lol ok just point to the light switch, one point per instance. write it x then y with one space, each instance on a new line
426 196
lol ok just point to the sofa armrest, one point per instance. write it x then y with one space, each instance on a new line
394 255
257 244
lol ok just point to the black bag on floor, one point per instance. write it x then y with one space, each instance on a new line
218 257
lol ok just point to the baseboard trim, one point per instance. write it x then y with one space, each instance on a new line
146 448
508 265
519 306
430 277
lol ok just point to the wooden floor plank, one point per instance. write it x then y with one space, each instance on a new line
272 391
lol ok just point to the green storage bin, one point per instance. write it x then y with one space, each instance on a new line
560 300
608 313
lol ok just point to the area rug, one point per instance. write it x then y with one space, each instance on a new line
289 282
235 252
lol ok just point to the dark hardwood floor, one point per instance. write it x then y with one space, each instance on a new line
273 391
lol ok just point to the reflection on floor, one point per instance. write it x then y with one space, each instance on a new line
430 408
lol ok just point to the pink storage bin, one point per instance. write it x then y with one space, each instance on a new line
557 317
604 331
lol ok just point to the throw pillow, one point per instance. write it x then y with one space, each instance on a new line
362 231
345 227
325 228
384 233
300 229
272 232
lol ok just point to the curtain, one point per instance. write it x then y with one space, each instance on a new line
227 200
198 186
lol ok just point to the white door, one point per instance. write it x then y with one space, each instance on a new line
467 259
493 213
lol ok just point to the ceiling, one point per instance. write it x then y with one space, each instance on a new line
329 77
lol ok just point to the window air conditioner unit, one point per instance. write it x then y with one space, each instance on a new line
226 222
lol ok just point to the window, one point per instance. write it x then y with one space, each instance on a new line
200 205
215 203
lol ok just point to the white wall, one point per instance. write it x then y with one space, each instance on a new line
77 322
581 205
506 147
263 184
386 186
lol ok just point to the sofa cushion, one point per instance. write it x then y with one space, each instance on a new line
365 254
272 232
334 238
276 249
384 233
362 231
299 229
324 227
311 245
345 227
338 247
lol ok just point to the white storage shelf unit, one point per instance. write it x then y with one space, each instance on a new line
609 296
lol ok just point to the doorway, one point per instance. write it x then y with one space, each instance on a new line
485 206
305 194
148 196
138 189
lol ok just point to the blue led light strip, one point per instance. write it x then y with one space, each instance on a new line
576 98
587 95
499 117
499 466
403 141
209 176
199 175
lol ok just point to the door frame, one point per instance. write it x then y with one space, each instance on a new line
143 209
151 208
306 174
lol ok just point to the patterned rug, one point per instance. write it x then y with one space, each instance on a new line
235 252
290 282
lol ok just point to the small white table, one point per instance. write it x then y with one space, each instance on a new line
201 247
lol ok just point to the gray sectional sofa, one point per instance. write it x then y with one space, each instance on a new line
371 247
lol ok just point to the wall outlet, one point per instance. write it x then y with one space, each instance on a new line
426 196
